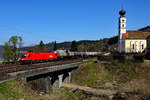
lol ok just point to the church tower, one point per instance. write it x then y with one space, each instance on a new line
122 28
122 23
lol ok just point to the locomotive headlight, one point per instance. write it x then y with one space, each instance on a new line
51 56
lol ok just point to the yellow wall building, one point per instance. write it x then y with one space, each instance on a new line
135 45
131 41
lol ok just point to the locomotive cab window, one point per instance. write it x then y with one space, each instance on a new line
29 55
24 55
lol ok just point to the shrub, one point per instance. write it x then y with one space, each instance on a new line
118 56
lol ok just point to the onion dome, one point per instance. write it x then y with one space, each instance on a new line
122 12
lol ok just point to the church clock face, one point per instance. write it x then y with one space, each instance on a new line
123 25
123 20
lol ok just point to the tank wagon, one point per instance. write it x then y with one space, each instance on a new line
62 54
68 54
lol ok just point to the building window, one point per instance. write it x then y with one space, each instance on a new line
142 46
132 49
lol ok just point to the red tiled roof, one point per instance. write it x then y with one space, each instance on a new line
135 35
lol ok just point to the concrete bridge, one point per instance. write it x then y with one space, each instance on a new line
47 79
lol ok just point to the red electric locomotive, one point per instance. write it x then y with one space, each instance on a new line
30 57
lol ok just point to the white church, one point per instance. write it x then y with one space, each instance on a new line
131 41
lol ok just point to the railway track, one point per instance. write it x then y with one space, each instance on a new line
9 69
5 66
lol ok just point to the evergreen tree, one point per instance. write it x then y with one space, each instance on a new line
55 46
41 47
7 53
74 46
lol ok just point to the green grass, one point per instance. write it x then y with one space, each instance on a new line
13 90
88 74
123 72
96 74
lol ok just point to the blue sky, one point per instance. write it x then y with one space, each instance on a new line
67 20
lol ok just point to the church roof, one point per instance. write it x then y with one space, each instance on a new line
130 34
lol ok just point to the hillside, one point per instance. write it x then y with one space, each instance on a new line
66 45
106 44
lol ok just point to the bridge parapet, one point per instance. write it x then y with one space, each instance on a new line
44 70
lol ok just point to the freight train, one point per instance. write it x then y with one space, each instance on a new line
32 57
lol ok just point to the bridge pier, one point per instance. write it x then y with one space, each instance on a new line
54 81
60 79
67 77
70 76
57 80
23 80
48 84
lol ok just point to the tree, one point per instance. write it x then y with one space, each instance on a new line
105 48
82 47
41 47
15 42
7 53
74 46
55 46
20 43
113 40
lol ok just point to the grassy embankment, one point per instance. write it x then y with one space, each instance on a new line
13 90
129 76
97 74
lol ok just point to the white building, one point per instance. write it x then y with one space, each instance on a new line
130 41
